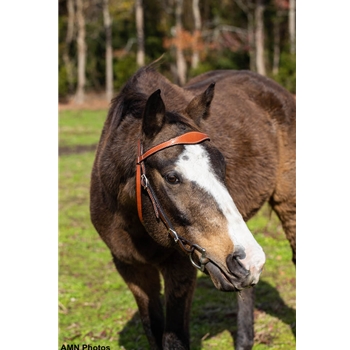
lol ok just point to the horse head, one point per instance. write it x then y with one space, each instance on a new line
188 187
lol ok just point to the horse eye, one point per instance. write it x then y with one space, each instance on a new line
172 179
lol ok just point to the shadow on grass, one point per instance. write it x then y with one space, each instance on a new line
77 149
214 312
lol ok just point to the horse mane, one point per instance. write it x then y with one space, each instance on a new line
133 96
130 100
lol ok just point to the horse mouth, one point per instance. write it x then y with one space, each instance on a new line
222 281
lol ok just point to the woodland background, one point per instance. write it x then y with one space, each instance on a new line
103 42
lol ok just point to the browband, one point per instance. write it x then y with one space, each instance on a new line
192 137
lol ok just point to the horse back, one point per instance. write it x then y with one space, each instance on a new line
252 122
262 91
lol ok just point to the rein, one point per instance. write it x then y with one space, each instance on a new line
193 137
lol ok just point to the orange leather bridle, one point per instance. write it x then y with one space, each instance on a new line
192 137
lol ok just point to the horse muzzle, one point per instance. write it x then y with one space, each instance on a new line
234 276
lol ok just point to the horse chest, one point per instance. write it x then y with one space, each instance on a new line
133 245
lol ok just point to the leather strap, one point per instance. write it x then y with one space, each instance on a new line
192 137
186 246
138 182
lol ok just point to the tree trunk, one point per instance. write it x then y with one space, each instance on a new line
69 38
259 37
248 8
80 93
180 59
276 44
197 28
291 20
140 33
109 50
251 42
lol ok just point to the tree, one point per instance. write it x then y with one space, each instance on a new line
259 37
197 29
239 34
276 44
81 45
280 14
140 58
109 50
180 59
68 41
248 8
291 23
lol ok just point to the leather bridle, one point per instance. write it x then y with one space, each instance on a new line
192 137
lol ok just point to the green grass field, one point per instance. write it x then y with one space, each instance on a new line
96 307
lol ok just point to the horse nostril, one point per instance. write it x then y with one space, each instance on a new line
235 266
239 252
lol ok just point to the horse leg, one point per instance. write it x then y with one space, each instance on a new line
144 283
283 202
286 212
180 281
244 339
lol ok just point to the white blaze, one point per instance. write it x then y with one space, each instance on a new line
194 165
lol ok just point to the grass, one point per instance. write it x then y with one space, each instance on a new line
80 127
96 307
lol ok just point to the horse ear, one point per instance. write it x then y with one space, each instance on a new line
199 107
153 115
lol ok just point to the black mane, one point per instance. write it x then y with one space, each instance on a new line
132 98
128 101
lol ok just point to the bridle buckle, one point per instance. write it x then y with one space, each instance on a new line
144 181
173 234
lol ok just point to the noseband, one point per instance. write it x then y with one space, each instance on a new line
189 138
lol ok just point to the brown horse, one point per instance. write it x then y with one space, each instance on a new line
177 173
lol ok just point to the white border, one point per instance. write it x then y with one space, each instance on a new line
29 174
